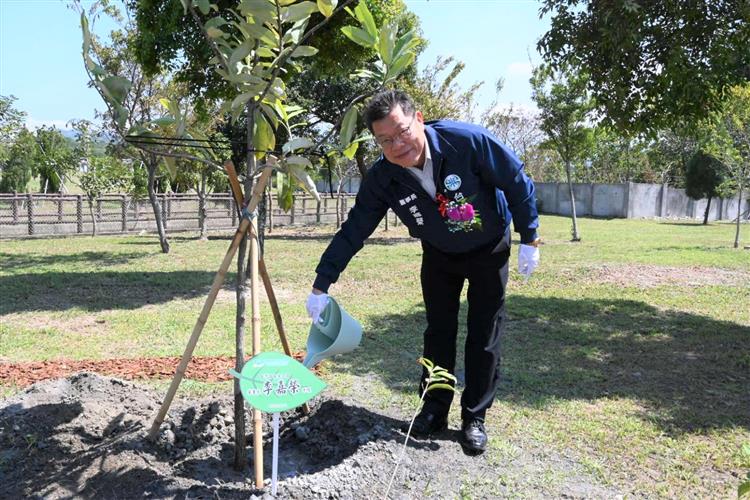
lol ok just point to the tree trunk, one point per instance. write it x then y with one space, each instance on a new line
739 218
361 166
705 214
93 217
576 236
240 440
156 206
339 207
202 209
269 209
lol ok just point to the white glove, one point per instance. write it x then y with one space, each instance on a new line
528 259
315 305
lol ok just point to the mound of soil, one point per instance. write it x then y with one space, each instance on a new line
84 436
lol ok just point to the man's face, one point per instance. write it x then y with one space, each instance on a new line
401 137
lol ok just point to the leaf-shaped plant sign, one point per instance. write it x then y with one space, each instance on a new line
273 382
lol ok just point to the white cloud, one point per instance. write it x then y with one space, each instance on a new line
519 69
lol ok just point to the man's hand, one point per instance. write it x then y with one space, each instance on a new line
315 304
528 259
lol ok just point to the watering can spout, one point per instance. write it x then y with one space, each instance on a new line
334 333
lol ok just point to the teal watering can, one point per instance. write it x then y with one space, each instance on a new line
335 332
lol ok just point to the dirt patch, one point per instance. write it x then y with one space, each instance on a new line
647 276
83 436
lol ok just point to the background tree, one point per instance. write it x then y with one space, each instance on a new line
54 159
651 64
19 165
97 174
133 102
518 129
564 107
11 124
437 94
729 142
669 153
616 158
703 176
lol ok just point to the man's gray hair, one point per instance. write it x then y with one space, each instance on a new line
381 104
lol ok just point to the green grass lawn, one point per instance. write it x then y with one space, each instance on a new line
628 352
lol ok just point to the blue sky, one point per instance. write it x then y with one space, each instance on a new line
40 52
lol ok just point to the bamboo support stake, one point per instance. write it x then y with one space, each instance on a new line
255 301
208 304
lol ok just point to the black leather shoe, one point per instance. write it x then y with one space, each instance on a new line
428 422
473 436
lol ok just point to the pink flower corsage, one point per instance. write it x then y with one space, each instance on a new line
460 215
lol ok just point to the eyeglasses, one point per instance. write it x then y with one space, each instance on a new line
404 135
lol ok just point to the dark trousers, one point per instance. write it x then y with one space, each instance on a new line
443 277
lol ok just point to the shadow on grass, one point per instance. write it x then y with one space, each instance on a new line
690 372
324 238
12 261
96 291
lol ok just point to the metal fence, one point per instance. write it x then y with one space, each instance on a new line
29 214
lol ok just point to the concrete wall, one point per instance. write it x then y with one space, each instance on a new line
632 200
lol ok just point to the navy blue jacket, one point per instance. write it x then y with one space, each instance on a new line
491 178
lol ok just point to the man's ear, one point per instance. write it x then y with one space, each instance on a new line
419 116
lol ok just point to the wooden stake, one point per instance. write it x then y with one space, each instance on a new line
208 304
255 304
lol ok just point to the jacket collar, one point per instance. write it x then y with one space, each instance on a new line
440 148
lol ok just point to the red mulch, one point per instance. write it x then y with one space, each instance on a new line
207 369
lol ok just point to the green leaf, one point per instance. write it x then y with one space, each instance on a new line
386 42
405 42
297 170
164 121
117 87
285 192
240 53
326 7
86 34
347 126
426 363
270 114
215 22
263 137
297 143
241 100
120 115
399 65
304 51
293 35
203 5
171 164
440 386
214 33
351 150
278 88
298 160
359 36
185 6
363 15
298 12
265 52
